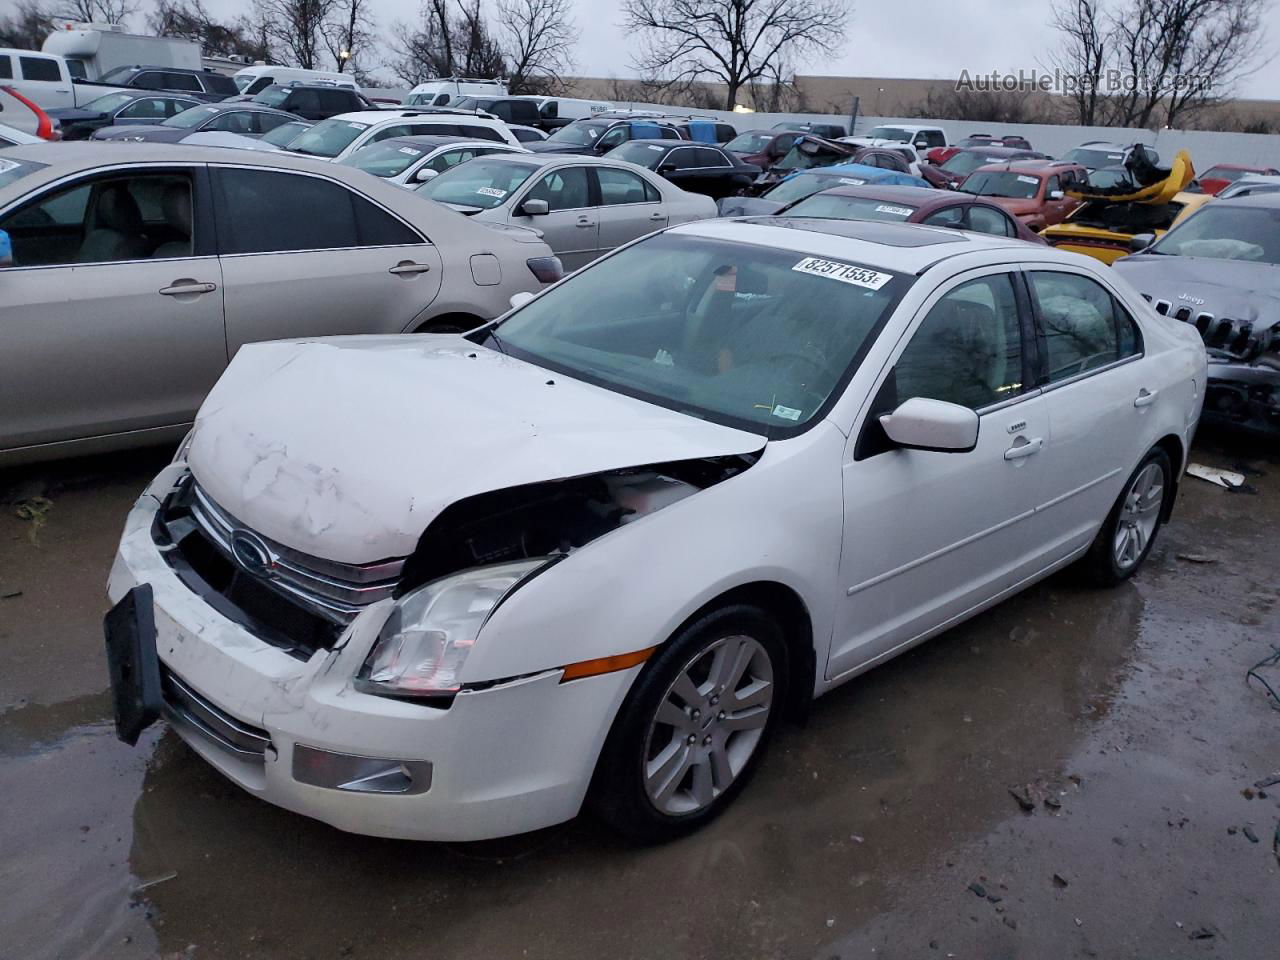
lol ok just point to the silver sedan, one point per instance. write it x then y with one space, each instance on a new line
583 206
137 274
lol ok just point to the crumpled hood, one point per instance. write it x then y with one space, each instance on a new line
1236 289
348 448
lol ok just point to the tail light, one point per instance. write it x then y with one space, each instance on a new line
546 269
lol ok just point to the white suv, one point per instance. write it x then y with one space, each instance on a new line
339 137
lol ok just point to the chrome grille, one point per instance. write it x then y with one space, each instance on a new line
336 590
1237 338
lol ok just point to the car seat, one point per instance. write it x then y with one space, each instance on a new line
116 232
176 204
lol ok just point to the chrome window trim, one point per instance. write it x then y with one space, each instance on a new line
1086 374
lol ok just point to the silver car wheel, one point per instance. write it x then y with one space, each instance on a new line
708 725
1139 515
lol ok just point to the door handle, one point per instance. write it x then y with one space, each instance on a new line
408 266
656 216
187 287
584 222
1025 448
1145 398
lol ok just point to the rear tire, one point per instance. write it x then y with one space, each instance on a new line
1130 529
694 726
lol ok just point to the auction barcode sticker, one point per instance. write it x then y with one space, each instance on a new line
896 211
844 272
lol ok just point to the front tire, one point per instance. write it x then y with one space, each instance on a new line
694 727
1130 529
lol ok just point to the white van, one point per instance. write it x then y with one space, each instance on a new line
440 93
562 111
257 78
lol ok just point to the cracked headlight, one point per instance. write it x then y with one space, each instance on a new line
424 643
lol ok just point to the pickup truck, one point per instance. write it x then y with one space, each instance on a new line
46 79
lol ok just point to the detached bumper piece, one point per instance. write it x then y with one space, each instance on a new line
1244 367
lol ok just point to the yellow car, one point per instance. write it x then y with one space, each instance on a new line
1103 226
1191 202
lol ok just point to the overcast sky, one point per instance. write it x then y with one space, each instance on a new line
925 38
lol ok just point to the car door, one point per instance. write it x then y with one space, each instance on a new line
572 227
1097 391
43 81
148 110
111 316
1055 209
682 167
303 255
630 207
928 535
716 173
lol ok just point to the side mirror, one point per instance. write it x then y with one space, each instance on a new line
665 168
534 208
1141 241
923 424
1056 194
425 173
6 249
921 144
520 299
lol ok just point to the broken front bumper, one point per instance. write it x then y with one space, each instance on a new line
1244 394
515 756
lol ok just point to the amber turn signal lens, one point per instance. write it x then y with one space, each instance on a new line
592 668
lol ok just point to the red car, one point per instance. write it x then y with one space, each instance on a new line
941 155
1034 191
968 159
1214 180
937 208
763 148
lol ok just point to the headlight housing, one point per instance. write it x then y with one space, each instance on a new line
424 643
183 446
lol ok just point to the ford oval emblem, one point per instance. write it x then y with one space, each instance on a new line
251 553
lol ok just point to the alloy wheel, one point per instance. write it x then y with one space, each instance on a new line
1139 516
708 725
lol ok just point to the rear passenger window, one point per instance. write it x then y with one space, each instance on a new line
6 68
481 133
263 212
377 228
40 68
968 350
622 186
985 220
182 81
150 80
1081 323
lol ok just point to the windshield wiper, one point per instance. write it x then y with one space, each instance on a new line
497 341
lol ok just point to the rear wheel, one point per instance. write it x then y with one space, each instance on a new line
1130 529
694 726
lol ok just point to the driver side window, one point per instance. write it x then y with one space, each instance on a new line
968 350
564 189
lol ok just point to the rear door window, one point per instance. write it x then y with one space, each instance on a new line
481 133
181 81
40 68
6 67
1082 326
261 211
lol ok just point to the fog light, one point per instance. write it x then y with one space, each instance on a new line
356 774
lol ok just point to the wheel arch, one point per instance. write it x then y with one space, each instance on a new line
469 321
1171 444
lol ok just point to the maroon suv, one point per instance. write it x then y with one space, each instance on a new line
968 159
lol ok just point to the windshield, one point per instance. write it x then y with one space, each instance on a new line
1226 233
1225 173
890 133
119 73
272 96
328 138
480 184
967 161
385 159
749 142
806 154
1094 158
1107 177
283 134
739 334
645 154
987 183
829 206
112 101
807 184
578 134
190 117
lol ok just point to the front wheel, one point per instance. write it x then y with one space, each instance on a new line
1131 527
694 726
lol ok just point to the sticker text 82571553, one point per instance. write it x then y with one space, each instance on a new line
844 272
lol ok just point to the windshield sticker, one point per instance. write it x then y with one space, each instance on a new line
357 126
1031 180
787 413
851 181
993 159
896 211
1115 156
491 192
654 146
845 273
411 152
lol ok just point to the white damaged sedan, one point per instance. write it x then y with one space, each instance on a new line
451 588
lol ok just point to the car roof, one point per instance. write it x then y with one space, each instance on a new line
1267 201
434 140
1030 166
245 105
380 116
919 197
909 248
999 151
548 159
1236 166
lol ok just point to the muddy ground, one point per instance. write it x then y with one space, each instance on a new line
883 828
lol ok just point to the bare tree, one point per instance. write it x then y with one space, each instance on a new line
95 11
733 42
349 31
26 27
538 36
450 39
987 106
297 28
1082 57
190 20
